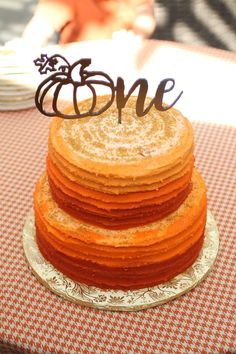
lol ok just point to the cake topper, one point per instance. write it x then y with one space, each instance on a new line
63 75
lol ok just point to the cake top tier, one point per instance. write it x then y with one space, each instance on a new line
140 146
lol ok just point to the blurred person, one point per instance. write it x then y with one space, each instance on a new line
78 20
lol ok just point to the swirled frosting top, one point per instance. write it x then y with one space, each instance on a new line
95 143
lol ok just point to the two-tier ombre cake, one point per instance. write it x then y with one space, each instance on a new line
121 206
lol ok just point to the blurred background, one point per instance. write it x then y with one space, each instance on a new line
195 22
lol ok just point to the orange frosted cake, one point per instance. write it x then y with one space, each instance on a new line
121 206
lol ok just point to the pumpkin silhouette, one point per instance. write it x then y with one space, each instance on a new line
77 79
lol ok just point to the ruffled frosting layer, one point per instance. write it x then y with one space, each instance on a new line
127 259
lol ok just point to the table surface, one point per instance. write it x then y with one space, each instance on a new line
34 320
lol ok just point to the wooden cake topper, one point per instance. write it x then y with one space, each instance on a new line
62 75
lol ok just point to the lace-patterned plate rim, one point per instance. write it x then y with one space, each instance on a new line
119 300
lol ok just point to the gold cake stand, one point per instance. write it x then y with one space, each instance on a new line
119 300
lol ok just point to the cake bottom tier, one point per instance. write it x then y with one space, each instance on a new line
129 259
118 278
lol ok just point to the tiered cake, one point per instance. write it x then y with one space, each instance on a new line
121 206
